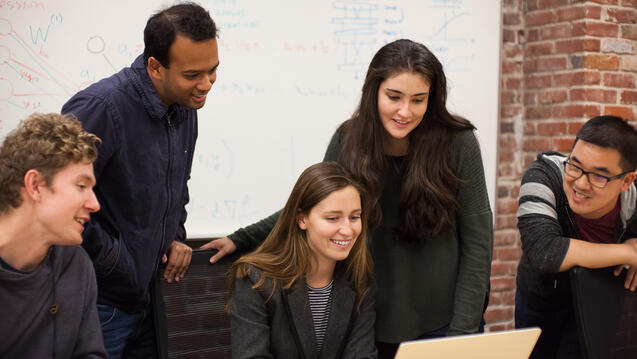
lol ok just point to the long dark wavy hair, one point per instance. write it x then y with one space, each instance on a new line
285 257
428 204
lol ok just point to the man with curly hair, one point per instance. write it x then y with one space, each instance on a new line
47 283
146 117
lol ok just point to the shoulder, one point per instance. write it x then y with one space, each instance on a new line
72 259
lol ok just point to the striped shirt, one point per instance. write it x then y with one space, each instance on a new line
320 300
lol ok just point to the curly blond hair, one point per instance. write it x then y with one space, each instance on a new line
46 143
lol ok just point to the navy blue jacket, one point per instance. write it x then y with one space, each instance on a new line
142 172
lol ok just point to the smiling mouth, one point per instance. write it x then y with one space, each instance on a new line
341 243
81 221
400 122
580 195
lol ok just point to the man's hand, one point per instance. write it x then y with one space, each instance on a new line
178 257
222 245
631 267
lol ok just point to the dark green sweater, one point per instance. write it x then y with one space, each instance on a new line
443 280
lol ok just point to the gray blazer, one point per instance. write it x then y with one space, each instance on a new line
282 327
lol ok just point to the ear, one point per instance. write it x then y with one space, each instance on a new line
154 68
33 184
627 181
300 220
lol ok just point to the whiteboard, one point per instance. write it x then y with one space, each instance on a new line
290 72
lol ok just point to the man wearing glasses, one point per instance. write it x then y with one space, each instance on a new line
575 210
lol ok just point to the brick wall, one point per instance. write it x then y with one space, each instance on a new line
562 62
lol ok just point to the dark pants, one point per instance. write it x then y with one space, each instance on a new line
388 350
127 335
559 332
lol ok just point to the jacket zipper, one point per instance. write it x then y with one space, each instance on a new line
169 127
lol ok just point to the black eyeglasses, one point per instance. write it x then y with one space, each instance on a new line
594 179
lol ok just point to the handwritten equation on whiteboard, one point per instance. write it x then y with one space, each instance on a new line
288 67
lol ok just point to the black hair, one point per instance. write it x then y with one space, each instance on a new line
612 132
187 19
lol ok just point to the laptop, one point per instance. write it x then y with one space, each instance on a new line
510 344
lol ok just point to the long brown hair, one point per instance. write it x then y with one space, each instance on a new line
428 202
285 255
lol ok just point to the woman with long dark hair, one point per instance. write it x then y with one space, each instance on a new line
430 221
305 291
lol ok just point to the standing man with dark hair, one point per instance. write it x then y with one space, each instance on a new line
576 210
146 116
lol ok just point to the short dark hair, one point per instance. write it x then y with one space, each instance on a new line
612 132
187 19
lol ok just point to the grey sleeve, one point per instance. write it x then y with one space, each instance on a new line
249 322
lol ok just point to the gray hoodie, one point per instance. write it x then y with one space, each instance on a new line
51 311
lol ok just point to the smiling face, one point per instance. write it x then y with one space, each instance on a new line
333 225
67 203
190 74
585 199
402 103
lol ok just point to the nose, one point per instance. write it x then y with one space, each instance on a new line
92 204
404 109
582 182
206 83
347 229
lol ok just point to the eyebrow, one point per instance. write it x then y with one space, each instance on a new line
595 169
194 72
400 92
84 177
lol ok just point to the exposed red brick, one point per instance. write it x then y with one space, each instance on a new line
510 111
608 2
513 51
602 29
577 78
535 144
629 97
625 112
629 63
532 35
498 314
538 112
551 128
537 49
601 62
511 18
506 221
505 237
505 156
508 35
552 96
577 45
619 80
507 97
508 268
573 127
511 67
529 65
529 128
532 5
537 18
530 98
513 83
506 205
594 95
629 31
553 64
563 144
555 31
498 284
622 16
547 4
537 81
568 111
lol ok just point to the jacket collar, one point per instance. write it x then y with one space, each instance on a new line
342 304
145 88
